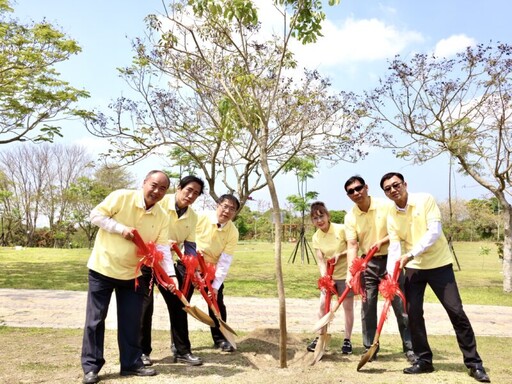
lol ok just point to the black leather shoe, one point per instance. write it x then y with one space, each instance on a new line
146 360
226 346
419 366
479 375
188 358
141 371
311 346
91 378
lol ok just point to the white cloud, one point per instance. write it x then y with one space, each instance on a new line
354 41
453 44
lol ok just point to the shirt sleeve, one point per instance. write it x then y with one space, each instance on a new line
394 254
221 270
105 222
434 230
167 263
190 248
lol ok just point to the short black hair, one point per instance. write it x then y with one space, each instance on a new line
353 179
191 179
390 175
230 197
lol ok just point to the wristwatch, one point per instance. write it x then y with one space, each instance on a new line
410 257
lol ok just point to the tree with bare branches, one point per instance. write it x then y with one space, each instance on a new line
457 106
232 101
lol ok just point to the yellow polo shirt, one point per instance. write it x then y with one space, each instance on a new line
331 243
409 227
183 228
113 255
369 227
213 241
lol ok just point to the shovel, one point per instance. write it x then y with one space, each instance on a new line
166 281
325 337
389 298
361 266
224 328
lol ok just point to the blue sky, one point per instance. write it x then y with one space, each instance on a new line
359 36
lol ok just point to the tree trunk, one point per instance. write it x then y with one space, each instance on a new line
507 248
276 210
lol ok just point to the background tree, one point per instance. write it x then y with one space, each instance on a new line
37 177
212 85
32 97
87 192
460 107
304 169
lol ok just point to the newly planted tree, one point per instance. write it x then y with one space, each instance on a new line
230 99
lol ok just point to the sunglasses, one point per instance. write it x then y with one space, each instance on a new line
395 186
351 191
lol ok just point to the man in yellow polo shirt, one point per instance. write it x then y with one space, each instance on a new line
112 267
365 227
182 231
415 222
217 238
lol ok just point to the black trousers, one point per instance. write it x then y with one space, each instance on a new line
442 281
129 310
372 276
217 335
177 316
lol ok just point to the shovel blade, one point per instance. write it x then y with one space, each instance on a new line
321 346
226 326
367 356
227 334
196 313
326 319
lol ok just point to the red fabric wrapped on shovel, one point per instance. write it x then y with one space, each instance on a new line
388 288
358 266
326 284
151 257
208 272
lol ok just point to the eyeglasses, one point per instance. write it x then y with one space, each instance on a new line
351 191
396 186
228 208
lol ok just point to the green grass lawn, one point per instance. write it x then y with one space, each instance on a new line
252 273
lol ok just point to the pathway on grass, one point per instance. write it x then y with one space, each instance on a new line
66 309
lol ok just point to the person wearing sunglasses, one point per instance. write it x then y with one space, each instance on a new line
328 243
217 239
365 227
415 223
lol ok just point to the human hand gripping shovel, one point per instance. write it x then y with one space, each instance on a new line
151 257
389 288
358 266
326 284
208 276
201 285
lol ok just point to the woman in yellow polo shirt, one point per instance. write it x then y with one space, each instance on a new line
329 242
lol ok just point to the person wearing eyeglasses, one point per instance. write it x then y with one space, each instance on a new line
415 222
329 242
365 227
217 239
182 231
